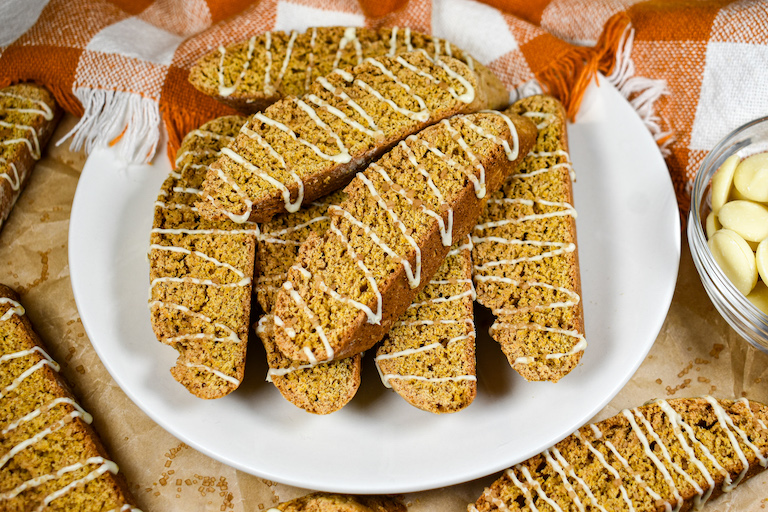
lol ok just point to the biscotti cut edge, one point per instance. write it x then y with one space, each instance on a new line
428 357
17 160
320 389
328 502
271 167
358 329
201 273
541 313
235 74
720 436
89 450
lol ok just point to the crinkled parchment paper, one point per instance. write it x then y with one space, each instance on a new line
696 353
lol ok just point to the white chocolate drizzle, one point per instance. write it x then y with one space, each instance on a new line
15 309
33 150
226 91
217 373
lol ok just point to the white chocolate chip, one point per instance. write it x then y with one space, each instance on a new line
735 258
748 219
712 224
759 297
721 182
761 255
751 177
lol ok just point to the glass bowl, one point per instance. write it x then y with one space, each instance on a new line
741 314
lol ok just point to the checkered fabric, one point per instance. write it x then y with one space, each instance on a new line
693 70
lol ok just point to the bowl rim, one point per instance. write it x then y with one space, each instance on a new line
737 304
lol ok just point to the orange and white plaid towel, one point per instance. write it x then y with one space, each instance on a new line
693 71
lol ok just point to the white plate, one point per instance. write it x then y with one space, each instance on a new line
629 245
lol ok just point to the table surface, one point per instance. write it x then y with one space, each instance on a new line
695 353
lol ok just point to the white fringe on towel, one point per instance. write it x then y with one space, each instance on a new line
111 114
644 91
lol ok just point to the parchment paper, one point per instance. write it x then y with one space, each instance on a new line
695 353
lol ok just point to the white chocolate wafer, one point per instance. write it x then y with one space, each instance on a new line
751 177
747 218
722 181
735 258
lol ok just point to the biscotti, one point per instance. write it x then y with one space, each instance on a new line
320 388
279 243
390 235
326 502
301 149
28 116
51 457
428 357
666 455
526 257
201 272
251 75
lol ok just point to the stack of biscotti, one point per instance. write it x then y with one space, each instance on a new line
251 75
28 116
390 235
667 455
428 357
301 149
526 258
51 457
327 502
317 388
201 272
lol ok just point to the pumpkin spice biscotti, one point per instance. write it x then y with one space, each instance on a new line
666 455
327 502
526 258
320 388
300 149
201 272
50 456
28 117
391 234
428 357
251 75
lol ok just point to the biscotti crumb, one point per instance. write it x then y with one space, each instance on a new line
28 117
428 357
51 458
201 272
327 502
250 75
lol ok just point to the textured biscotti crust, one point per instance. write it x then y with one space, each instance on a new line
50 454
201 272
320 389
302 149
666 455
526 255
251 75
428 357
392 233
325 502
28 117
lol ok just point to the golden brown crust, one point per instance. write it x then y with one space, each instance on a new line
353 334
75 441
327 502
712 439
17 160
